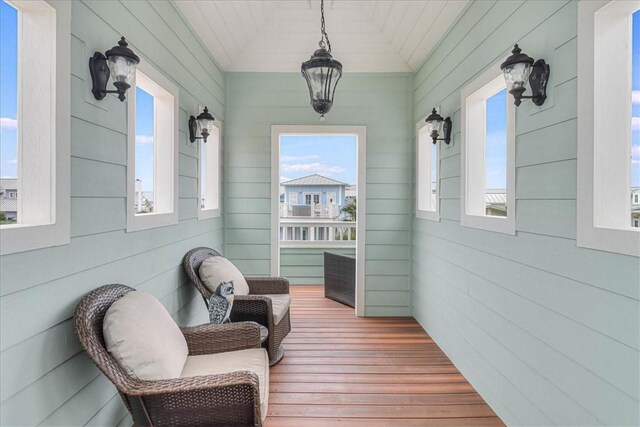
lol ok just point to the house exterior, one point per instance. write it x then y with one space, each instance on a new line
9 198
635 206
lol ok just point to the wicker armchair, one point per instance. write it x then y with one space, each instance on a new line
214 400
253 307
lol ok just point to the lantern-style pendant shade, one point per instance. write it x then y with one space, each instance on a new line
520 69
120 62
204 121
322 74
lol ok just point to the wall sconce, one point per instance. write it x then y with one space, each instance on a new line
204 121
518 68
120 62
437 126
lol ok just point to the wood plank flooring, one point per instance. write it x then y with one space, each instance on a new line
347 371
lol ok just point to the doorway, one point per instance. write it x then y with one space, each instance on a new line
313 211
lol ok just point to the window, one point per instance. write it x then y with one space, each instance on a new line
608 110
209 183
488 155
427 182
311 199
34 124
152 189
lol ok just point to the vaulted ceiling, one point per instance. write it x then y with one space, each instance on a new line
366 36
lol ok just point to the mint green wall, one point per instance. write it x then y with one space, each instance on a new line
306 266
382 102
547 332
46 378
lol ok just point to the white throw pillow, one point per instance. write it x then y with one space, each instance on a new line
143 338
217 269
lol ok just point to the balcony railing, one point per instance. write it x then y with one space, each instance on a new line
317 234
309 211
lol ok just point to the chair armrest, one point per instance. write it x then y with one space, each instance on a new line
268 285
198 400
255 308
208 339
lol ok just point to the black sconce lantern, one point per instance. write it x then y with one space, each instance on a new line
437 126
204 121
520 67
322 73
120 62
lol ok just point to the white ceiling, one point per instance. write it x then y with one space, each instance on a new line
366 36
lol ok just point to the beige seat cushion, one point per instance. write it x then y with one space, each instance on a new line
280 304
217 269
254 360
143 338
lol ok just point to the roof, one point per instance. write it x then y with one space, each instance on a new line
9 183
314 179
495 198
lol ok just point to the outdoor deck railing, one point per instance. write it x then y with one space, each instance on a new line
309 211
317 234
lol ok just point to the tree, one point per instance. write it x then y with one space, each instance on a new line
351 210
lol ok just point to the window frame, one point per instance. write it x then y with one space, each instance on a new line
484 84
206 213
138 222
593 230
430 214
56 230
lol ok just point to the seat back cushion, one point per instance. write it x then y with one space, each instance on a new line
217 269
143 338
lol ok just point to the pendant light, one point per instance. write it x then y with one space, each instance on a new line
322 72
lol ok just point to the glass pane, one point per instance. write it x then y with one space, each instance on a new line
203 174
496 154
635 121
145 152
8 114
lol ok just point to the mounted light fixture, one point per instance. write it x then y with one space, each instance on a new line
437 126
520 67
120 62
322 72
204 121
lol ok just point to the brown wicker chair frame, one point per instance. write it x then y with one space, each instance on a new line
253 307
215 400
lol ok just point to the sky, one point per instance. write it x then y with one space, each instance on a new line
8 90
327 155
144 139
635 120
496 156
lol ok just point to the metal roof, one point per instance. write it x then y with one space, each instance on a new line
497 198
9 183
314 179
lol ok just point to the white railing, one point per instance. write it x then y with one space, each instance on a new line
309 211
317 234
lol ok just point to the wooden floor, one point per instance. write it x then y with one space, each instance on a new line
347 371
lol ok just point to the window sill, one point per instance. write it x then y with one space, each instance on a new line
430 215
148 221
505 225
621 241
208 213
21 237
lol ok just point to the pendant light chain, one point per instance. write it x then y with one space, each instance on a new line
323 32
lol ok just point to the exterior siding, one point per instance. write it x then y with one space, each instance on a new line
322 190
547 332
382 102
46 378
305 266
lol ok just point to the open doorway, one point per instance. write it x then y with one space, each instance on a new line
317 194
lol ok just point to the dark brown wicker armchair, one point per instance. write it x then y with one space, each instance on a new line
253 307
214 400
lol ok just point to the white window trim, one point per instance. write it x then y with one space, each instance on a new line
361 132
151 220
434 214
207 213
25 237
620 240
506 224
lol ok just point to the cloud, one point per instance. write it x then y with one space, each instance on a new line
144 139
635 97
12 161
299 158
8 123
284 179
315 167
635 123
